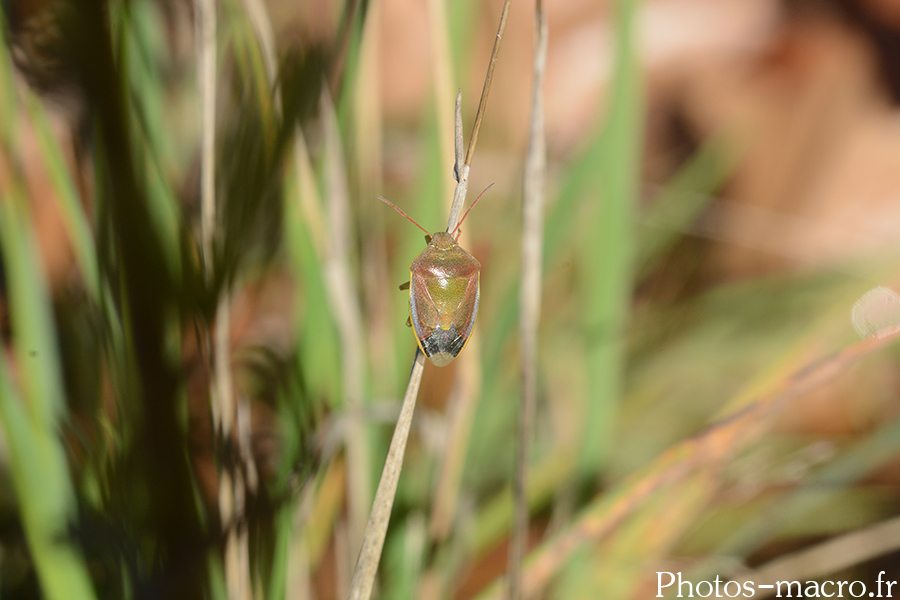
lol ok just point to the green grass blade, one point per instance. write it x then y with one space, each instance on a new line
147 108
318 353
73 213
278 572
864 457
31 316
607 272
37 458
8 100
682 200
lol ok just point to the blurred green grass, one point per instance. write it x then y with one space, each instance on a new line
621 381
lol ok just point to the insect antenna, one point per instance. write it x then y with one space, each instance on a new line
411 220
466 214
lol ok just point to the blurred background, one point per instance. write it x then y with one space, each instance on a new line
196 412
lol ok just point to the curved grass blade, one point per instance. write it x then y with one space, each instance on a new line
30 420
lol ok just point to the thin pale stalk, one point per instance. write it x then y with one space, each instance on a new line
262 26
368 132
347 313
205 11
462 412
376 529
710 449
530 296
832 556
232 487
237 569
488 78
466 390
461 171
299 584
462 397
458 138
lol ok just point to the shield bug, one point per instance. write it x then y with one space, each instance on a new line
444 287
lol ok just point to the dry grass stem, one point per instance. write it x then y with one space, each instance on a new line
341 568
482 103
205 18
462 399
369 158
530 295
262 27
463 396
232 487
708 450
343 297
829 557
376 529
462 403
458 144
462 171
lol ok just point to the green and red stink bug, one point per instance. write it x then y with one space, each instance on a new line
444 287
